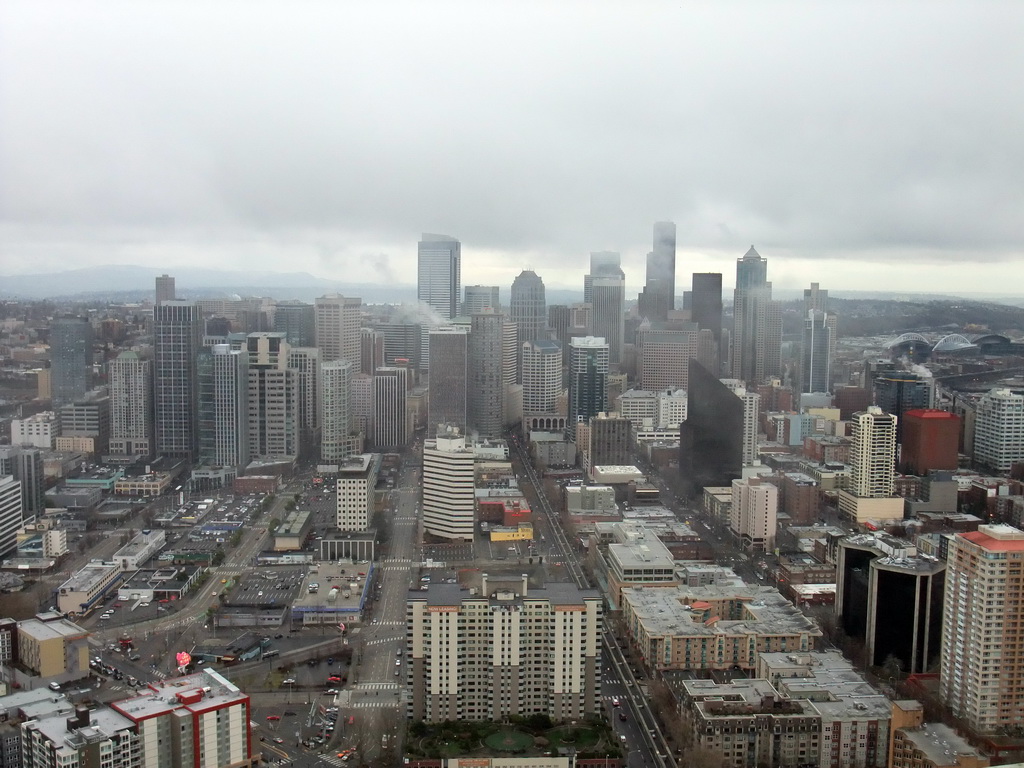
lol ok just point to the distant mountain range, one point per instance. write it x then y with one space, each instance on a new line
135 283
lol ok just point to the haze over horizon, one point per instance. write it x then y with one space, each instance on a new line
858 145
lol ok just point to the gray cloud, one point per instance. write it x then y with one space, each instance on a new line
326 136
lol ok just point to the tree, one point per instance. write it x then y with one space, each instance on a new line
218 557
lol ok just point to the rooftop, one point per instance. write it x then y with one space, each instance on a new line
997 538
672 611
939 743
48 630
201 692
88 576
103 723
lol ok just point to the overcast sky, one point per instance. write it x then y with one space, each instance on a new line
859 145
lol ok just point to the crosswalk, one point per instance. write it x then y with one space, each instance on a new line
375 687
332 760
388 703
383 640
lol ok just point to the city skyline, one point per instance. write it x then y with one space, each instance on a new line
877 164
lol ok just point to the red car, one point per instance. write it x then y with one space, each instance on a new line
333 679
273 717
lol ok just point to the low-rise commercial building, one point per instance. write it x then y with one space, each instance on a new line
142 547
82 591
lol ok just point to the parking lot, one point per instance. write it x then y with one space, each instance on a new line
266 587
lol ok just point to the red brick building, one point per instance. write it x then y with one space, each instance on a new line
930 440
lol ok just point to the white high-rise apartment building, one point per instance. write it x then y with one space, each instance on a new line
753 517
336 441
999 429
131 405
338 333
507 650
439 280
542 376
751 415
357 478
273 398
449 486
873 454
982 666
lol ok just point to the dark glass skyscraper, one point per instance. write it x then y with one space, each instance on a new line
711 438
176 342
297 321
70 359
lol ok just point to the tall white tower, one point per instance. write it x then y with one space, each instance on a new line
449 490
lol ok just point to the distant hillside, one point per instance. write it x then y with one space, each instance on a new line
872 317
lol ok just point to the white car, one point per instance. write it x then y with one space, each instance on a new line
289 681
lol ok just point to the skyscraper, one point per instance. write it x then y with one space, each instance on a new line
131 405
390 421
753 516
164 289
757 323
897 392
608 294
815 358
486 389
528 307
449 490
480 299
297 321
439 278
337 328
999 429
664 354
177 329
305 362
706 303
542 376
588 380
223 384
25 464
371 351
336 442
273 398
711 444
873 453
10 514
602 264
982 673
658 297
70 359
448 383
